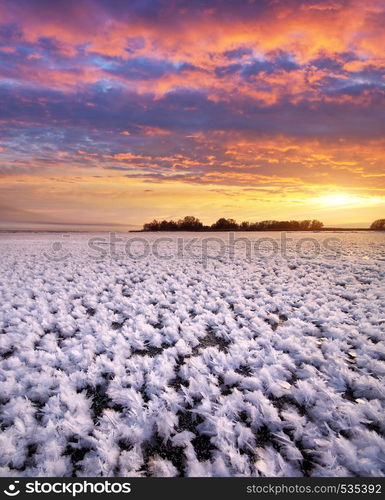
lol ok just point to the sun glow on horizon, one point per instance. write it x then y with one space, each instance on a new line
346 200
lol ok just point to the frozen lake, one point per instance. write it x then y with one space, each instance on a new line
192 354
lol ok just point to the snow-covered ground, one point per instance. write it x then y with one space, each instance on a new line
190 365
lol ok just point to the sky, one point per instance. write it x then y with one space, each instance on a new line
116 112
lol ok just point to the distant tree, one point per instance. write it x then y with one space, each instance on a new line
304 225
168 225
316 225
378 225
244 226
190 223
294 225
225 225
152 226
283 225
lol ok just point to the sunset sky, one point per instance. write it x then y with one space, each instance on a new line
116 112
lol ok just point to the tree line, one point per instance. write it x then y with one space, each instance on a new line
378 225
190 223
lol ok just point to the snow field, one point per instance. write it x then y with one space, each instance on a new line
273 367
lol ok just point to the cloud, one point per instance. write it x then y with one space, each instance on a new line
194 92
